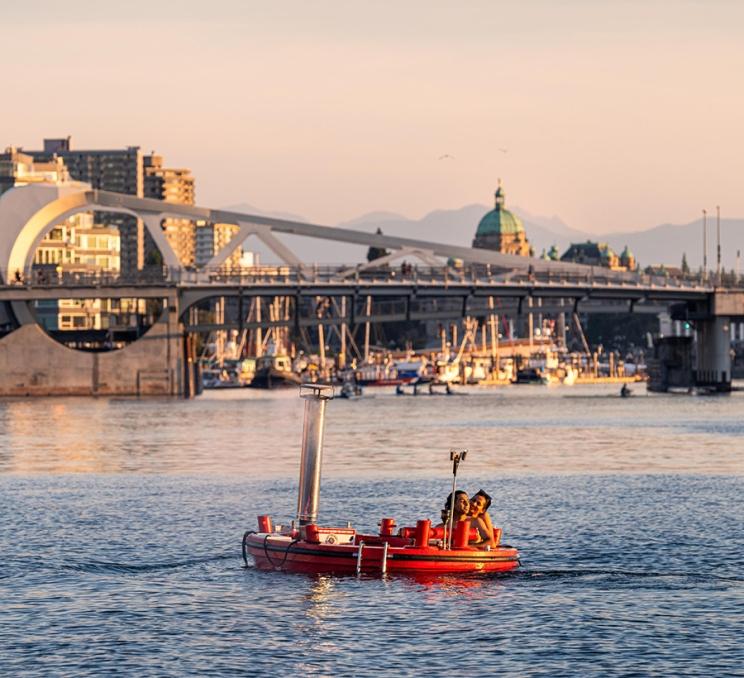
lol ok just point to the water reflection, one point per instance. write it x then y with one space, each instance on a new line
510 431
319 597
463 585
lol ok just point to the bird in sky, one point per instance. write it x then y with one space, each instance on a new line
446 156
504 150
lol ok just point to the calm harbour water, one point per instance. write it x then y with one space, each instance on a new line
121 526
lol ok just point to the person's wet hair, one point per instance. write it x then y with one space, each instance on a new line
486 496
448 501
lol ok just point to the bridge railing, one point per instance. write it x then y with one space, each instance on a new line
50 276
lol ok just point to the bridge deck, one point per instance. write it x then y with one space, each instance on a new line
336 281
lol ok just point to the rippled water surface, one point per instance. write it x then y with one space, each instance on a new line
121 526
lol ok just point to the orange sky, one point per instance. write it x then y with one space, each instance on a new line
613 115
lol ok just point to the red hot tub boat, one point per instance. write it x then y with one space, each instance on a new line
309 548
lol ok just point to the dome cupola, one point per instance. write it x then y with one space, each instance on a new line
501 230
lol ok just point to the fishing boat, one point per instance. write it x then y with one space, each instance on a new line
531 375
219 377
274 371
307 547
350 390
388 373
425 385
230 374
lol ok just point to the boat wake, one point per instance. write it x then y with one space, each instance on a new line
624 574
104 567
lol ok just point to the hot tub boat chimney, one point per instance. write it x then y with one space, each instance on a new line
316 396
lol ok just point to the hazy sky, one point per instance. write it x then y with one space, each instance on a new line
613 115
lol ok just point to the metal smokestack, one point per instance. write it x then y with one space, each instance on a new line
308 495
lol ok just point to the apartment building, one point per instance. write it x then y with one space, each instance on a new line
119 170
176 186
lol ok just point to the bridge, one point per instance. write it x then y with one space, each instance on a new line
446 282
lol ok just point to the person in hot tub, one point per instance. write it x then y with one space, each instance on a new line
480 502
463 511
461 508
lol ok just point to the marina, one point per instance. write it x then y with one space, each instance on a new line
506 361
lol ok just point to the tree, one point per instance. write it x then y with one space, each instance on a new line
685 265
376 252
154 258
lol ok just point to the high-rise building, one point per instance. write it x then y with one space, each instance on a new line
211 238
19 169
176 186
118 170
124 170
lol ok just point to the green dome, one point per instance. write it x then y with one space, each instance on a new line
499 220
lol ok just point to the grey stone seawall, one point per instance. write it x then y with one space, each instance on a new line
34 364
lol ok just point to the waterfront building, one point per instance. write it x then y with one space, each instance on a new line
628 260
211 238
75 247
249 259
89 314
551 255
664 271
599 254
78 245
20 169
119 170
176 186
502 230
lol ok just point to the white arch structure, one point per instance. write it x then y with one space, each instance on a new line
28 213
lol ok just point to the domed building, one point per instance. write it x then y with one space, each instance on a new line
550 255
501 230
600 254
628 260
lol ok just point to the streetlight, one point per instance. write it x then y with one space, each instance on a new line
705 245
718 240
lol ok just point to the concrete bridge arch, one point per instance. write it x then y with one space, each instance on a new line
30 212
34 363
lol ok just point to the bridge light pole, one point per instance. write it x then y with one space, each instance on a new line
718 243
705 245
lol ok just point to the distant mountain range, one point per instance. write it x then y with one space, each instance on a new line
662 244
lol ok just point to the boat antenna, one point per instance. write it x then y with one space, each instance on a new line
456 456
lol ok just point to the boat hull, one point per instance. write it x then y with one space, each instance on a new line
272 551
275 379
385 382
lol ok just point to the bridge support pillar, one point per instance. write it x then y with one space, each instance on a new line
32 363
561 332
713 362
